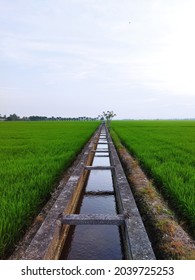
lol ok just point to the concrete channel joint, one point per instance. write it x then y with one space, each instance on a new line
92 219
99 167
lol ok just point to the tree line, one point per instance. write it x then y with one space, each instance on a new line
14 117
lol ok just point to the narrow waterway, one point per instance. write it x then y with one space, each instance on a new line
100 242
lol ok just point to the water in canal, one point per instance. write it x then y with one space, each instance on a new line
98 242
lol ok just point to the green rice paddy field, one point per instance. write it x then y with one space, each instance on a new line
33 155
166 151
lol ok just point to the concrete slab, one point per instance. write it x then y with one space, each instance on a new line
99 167
92 219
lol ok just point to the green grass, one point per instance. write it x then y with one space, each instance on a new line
33 155
166 151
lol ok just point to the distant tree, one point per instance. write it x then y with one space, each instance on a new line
3 117
109 115
37 118
13 117
25 118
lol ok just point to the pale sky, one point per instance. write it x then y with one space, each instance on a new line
82 57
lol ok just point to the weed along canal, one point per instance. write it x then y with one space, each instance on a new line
95 216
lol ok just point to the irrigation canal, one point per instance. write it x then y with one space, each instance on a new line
95 216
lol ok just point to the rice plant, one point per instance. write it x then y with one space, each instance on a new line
33 155
166 151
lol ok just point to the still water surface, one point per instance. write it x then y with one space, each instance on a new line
96 242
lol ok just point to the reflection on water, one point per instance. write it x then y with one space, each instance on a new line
102 154
100 180
95 242
101 161
94 204
102 146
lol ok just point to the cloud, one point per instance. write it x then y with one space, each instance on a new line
89 46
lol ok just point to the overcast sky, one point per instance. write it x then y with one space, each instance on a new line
81 57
